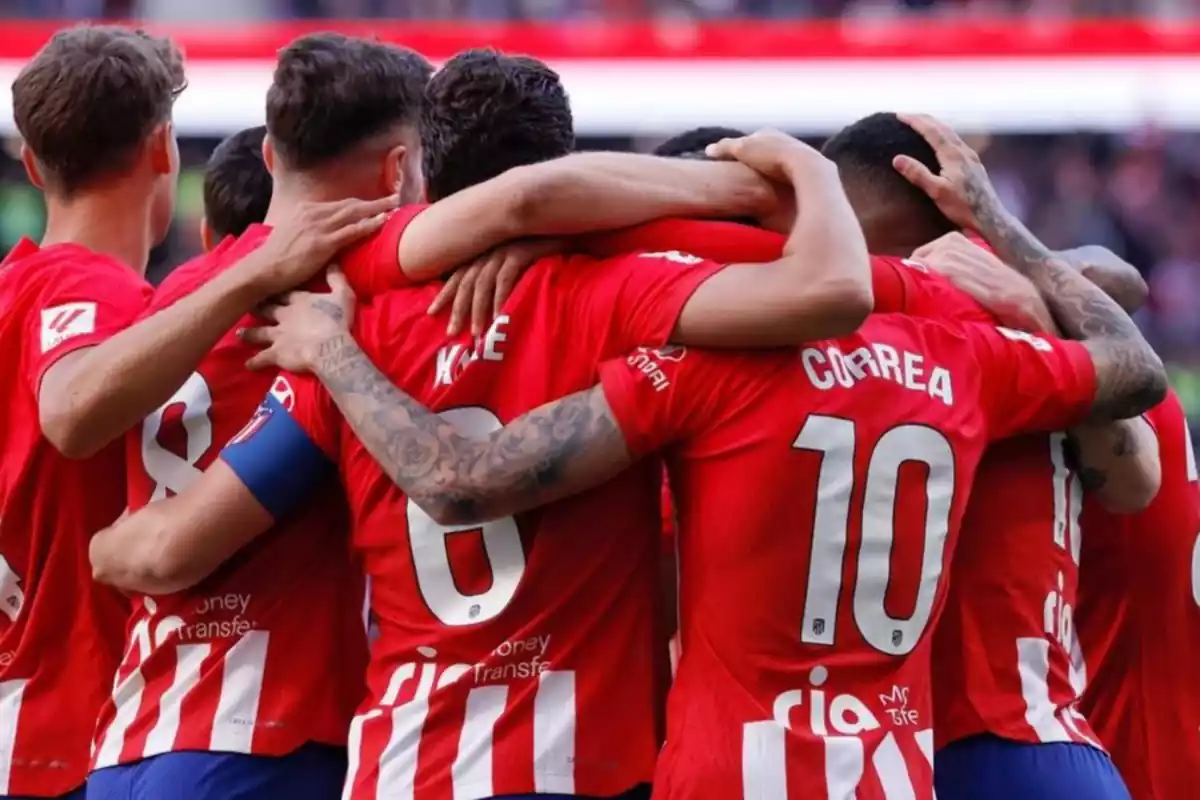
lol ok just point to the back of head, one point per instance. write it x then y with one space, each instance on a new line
691 144
881 196
89 99
237 184
331 93
485 113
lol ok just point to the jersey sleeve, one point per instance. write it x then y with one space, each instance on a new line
82 305
660 396
373 265
1031 383
290 445
907 287
623 303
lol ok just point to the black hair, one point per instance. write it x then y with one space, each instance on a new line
691 144
237 184
863 152
484 113
331 93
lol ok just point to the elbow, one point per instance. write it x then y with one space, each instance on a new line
154 570
847 303
1134 494
68 430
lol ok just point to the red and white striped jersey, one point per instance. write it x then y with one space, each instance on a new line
60 632
267 653
819 495
1005 657
522 655
1139 623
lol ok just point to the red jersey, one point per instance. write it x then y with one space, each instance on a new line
1139 623
225 666
522 655
819 494
60 634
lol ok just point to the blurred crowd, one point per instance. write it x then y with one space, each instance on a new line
242 10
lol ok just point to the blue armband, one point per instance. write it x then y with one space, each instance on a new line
276 460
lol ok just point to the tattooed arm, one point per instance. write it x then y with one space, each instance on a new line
552 452
1119 279
1118 460
1130 376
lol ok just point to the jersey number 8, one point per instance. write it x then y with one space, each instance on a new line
834 438
501 543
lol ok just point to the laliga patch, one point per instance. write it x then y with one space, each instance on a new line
282 391
261 417
67 321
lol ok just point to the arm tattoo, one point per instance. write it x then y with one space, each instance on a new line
1130 377
559 449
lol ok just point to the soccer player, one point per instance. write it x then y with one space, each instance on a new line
215 697
93 108
847 464
237 187
1138 622
494 675
1006 719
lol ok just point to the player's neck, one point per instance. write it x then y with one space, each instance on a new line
293 191
88 220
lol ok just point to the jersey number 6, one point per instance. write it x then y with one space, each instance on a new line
501 543
835 439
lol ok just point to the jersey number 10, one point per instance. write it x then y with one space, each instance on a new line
835 439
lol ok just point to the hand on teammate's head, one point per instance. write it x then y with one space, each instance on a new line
961 188
302 326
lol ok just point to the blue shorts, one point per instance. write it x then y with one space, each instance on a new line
314 772
990 768
641 792
78 794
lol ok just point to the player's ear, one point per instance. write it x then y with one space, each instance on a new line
268 150
392 174
29 161
164 151
205 235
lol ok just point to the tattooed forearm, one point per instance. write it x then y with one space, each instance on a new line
559 449
1130 377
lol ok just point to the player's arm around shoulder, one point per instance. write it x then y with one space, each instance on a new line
554 451
173 544
575 194
820 288
1118 462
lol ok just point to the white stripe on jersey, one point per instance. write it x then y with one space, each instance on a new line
764 761
889 764
241 690
188 662
844 766
11 694
554 733
1033 667
398 762
472 768
127 699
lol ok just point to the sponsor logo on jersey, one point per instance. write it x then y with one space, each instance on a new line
895 705
282 391
675 257
261 416
67 321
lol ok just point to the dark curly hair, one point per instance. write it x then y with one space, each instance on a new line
90 97
486 112
863 152
332 92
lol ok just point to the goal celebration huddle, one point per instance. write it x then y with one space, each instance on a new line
463 465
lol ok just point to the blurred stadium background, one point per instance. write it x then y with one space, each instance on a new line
1087 111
